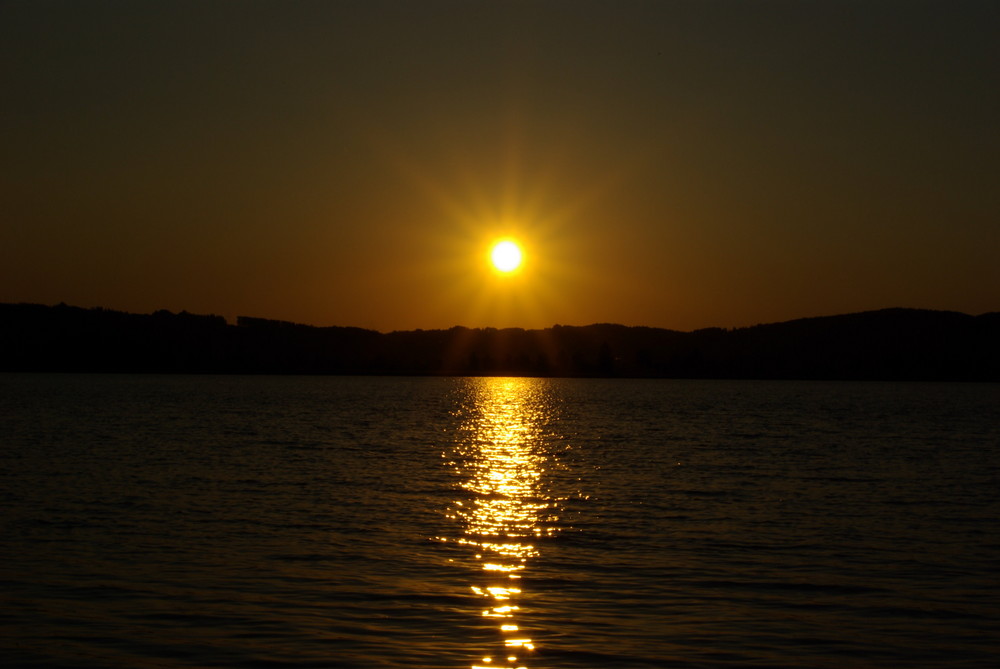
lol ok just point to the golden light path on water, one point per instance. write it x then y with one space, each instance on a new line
504 512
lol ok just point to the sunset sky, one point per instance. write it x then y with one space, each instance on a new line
672 164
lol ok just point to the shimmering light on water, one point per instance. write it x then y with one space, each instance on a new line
500 461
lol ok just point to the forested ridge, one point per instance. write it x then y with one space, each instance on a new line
889 344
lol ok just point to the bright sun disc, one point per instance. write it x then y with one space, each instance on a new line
506 256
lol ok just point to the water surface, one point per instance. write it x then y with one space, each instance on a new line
168 521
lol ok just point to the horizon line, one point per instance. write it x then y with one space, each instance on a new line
490 327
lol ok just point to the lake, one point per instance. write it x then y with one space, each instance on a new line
268 521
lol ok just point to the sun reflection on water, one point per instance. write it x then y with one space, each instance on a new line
504 511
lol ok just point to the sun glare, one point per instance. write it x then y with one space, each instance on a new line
506 256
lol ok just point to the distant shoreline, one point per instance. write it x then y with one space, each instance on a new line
890 344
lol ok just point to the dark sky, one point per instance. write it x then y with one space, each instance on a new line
674 164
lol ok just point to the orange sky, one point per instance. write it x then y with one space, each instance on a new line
673 164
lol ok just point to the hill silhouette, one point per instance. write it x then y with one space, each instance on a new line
889 344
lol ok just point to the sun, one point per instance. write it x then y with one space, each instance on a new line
506 256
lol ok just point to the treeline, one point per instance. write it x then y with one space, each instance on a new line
891 344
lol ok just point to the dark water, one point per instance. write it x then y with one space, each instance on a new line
379 522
